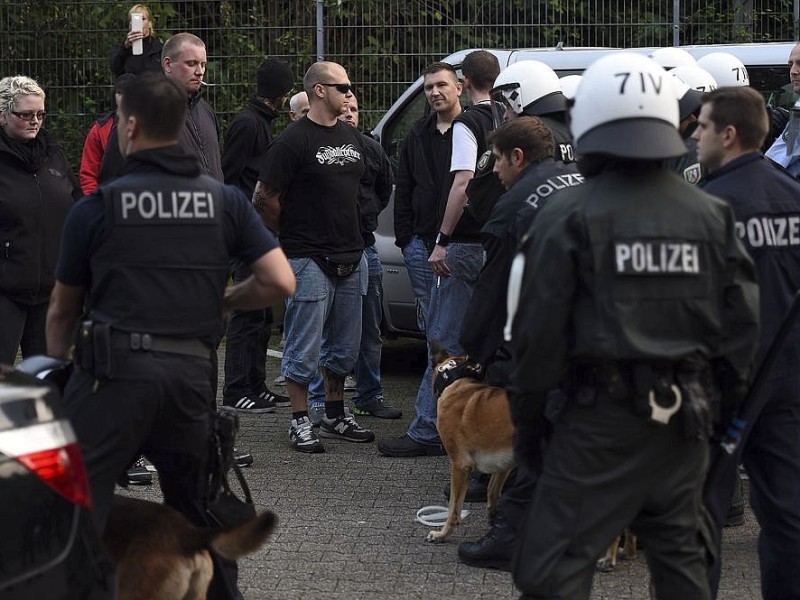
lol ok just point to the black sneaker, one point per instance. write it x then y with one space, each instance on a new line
275 399
302 438
376 407
404 446
345 428
249 405
138 474
242 458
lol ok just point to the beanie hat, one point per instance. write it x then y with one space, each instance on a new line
273 79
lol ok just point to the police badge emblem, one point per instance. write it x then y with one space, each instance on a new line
692 174
483 161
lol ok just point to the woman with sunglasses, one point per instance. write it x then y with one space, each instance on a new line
37 188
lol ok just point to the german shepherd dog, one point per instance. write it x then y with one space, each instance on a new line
475 426
609 561
160 555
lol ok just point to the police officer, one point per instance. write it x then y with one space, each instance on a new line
635 291
147 255
524 163
766 202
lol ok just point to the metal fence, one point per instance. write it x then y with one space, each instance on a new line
383 44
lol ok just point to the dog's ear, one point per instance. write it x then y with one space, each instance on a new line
438 353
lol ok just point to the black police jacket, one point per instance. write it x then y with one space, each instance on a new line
482 331
633 265
161 264
766 202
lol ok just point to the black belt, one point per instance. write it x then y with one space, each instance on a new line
121 340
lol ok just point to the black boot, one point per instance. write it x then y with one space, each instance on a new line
477 487
493 550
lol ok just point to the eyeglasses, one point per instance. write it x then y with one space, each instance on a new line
29 116
340 87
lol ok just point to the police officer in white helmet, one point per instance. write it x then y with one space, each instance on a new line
634 290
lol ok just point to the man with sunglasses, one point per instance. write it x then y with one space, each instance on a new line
308 193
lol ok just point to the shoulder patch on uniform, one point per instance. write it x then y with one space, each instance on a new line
692 174
483 161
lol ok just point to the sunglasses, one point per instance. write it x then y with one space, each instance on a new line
340 87
29 116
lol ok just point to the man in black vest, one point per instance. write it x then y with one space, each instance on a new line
146 259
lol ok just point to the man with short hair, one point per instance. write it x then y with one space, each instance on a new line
308 192
246 141
778 151
184 60
150 276
766 202
298 106
456 256
374 192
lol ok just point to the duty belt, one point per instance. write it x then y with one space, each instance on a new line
121 340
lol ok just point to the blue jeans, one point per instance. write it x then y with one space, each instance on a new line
322 322
420 275
449 300
246 347
368 365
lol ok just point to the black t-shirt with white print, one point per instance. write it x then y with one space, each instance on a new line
316 170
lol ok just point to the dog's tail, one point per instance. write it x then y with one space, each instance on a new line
243 539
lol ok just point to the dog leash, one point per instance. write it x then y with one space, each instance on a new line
436 516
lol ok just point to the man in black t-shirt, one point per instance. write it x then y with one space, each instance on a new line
307 191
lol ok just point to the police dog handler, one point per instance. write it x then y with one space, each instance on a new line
148 256
636 297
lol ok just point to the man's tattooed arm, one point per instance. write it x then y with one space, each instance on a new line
267 205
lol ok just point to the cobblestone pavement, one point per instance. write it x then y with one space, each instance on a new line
346 517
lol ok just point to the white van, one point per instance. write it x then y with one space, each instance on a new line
767 66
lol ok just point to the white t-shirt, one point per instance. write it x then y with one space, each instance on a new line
465 149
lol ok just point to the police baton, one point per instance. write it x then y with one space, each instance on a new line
753 403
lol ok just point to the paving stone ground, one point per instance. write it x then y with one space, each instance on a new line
346 517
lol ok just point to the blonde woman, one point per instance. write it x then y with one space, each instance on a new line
37 188
122 58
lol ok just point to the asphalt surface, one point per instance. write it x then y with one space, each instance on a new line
347 525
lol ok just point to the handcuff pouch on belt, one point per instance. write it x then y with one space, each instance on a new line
93 350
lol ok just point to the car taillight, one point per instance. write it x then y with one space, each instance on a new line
62 469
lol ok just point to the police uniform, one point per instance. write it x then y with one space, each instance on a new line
634 287
766 202
153 249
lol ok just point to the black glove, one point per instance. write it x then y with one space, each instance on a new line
531 429
778 118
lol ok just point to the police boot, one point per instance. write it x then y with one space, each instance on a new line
477 487
735 516
493 550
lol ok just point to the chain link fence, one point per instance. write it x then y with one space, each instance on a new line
383 44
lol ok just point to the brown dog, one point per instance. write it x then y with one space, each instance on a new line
609 561
161 556
474 423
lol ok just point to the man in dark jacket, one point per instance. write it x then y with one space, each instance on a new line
184 60
246 142
766 203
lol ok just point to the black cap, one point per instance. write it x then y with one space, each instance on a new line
274 78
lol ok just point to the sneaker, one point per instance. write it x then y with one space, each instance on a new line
316 414
404 446
138 474
349 384
303 438
280 381
242 458
345 428
376 407
249 404
276 399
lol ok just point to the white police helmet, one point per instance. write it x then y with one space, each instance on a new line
625 106
696 77
569 84
532 87
725 68
670 58
688 98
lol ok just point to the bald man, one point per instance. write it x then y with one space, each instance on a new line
308 193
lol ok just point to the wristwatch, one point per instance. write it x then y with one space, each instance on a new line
442 239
